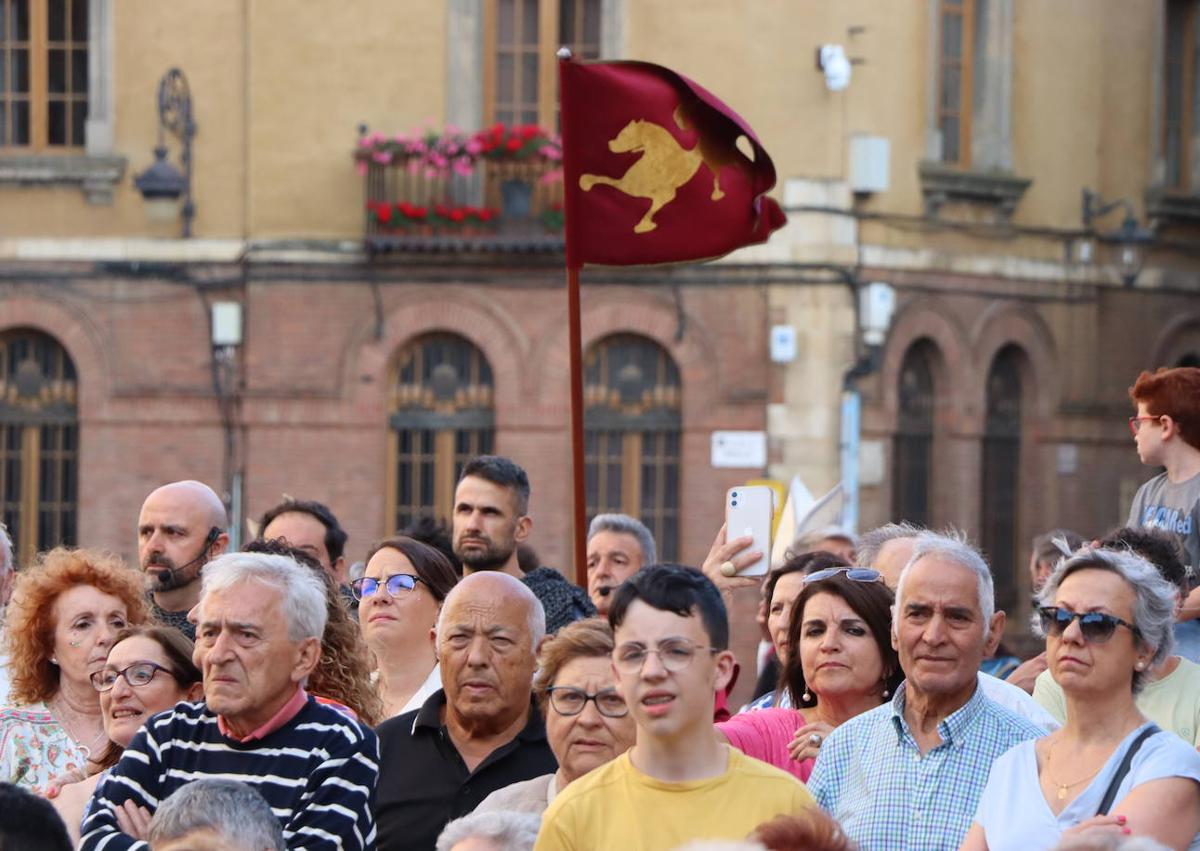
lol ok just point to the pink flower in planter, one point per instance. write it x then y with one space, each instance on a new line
462 167
361 168
382 157
550 152
551 176
474 147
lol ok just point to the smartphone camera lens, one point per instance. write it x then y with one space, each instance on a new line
734 494
735 503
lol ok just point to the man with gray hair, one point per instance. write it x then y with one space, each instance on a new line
499 830
889 548
214 814
258 637
910 773
618 546
481 731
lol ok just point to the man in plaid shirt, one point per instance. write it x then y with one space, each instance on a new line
909 774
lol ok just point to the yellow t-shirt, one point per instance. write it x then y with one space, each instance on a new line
1172 703
618 808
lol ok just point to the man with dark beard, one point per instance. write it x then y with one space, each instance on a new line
491 505
182 526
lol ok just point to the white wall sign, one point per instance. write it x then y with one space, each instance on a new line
783 343
739 449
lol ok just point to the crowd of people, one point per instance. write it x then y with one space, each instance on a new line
449 692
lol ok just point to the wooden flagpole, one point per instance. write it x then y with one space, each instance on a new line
575 340
577 459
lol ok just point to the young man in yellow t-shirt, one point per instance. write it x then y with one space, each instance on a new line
677 783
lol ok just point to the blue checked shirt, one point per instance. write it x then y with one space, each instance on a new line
872 778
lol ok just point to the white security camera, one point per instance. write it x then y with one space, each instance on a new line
832 60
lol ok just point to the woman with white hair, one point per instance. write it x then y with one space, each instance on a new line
1108 619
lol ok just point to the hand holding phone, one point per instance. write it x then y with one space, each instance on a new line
748 512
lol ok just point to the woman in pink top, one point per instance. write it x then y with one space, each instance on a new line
840 663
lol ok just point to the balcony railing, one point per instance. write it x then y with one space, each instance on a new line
442 193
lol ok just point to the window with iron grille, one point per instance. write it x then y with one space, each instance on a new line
1001 472
39 443
632 427
43 74
912 445
442 415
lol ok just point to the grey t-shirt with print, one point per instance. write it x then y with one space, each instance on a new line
1174 508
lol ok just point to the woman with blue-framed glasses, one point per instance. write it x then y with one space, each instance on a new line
400 594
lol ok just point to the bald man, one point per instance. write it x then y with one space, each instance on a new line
481 731
182 526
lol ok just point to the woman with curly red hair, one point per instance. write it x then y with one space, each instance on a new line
64 614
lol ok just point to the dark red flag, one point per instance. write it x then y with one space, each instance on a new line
652 170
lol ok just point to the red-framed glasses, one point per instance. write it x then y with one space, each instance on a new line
1135 423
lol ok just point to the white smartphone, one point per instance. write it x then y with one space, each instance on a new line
749 511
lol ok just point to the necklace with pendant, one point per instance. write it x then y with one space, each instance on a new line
61 711
1061 788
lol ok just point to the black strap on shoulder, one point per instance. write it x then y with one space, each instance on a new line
1111 793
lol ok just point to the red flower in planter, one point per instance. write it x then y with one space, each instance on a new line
484 214
514 144
529 131
383 213
457 216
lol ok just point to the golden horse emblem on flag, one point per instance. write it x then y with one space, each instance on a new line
664 167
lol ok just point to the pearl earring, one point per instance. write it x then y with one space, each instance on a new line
886 693
53 660
1140 665
806 697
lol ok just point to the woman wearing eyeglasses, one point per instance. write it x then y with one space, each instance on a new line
587 721
65 611
1108 619
400 594
840 662
148 670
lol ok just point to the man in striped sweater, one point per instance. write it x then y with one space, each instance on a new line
258 637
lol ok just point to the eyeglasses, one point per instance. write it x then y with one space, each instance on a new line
674 654
855 574
568 700
137 675
1136 422
365 586
1095 627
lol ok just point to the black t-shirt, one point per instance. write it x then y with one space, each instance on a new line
424 783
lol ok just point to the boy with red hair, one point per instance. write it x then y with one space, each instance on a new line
1166 430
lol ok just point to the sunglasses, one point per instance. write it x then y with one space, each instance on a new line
855 574
396 584
1095 627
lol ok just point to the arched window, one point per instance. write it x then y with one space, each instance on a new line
39 442
441 417
1001 466
632 435
912 446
